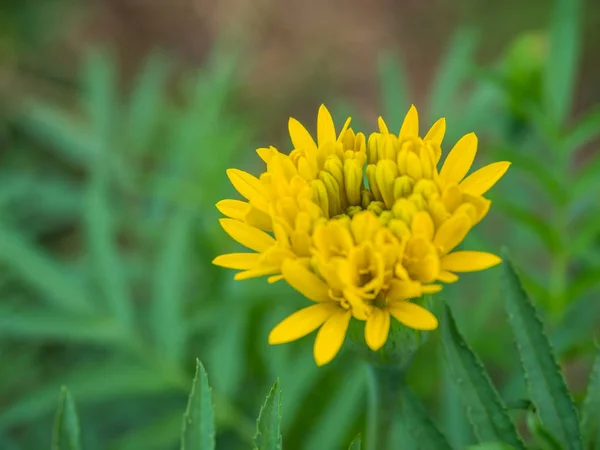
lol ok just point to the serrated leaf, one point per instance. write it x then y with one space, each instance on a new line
170 282
393 90
451 74
563 58
55 285
198 431
268 425
590 418
545 383
356 443
542 436
65 435
419 424
486 411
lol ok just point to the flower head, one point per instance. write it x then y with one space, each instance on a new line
362 227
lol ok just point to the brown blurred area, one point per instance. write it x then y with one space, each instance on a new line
297 54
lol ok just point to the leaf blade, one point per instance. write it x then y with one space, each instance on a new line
65 435
356 443
545 383
590 421
198 430
268 425
485 409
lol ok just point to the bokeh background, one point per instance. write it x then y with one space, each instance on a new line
118 119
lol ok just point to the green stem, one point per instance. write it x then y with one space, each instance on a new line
384 400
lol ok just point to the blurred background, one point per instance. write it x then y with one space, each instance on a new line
118 119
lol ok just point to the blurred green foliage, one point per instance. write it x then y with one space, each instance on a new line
108 227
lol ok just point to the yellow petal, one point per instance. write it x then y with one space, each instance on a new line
236 209
255 273
413 316
266 154
304 281
480 181
249 187
325 127
451 233
300 136
459 160
331 336
344 129
469 261
274 279
248 236
422 225
377 328
447 277
437 131
410 126
403 290
431 288
383 129
302 322
239 261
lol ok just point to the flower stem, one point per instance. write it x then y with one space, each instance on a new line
383 401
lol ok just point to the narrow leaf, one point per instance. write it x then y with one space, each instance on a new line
54 284
541 434
393 88
545 383
419 424
169 287
356 443
66 425
563 58
491 446
590 417
268 426
451 73
585 130
485 409
198 432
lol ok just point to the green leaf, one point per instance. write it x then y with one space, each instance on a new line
156 435
490 446
101 238
536 224
590 419
485 409
586 130
545 383
73 142
563 58
198 430
268 425
356 443
583 282
393 88
343 407
145 102
56 286
542 436
451 74
41 324
170 282
66 425
419 424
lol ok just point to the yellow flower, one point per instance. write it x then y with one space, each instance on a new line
360 227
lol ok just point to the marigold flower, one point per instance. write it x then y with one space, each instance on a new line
359 226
